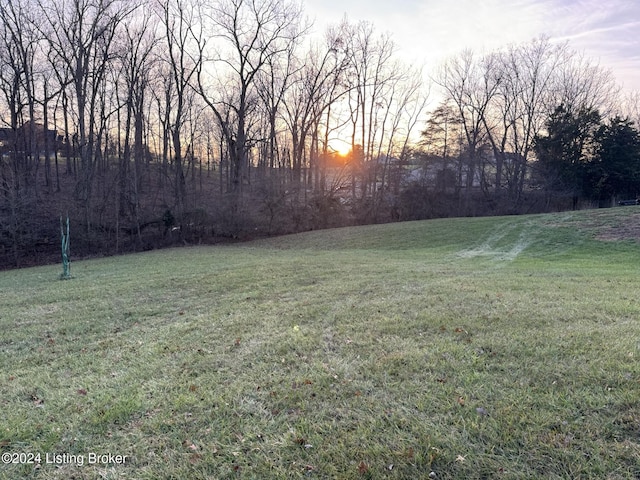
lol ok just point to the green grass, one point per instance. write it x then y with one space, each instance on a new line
472 348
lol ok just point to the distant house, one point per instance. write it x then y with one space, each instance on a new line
447 175
21 140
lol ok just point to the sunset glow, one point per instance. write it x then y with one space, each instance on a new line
344 151
341 147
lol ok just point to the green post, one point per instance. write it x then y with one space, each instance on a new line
66 265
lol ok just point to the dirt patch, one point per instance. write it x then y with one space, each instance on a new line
608 225
625 231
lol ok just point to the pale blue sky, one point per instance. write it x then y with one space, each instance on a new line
427 31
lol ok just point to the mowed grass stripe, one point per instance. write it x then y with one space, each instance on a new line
470 348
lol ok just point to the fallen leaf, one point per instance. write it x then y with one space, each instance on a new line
461 401
193 388
363 468
81 391
190 445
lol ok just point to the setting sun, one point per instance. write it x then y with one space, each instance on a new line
341 147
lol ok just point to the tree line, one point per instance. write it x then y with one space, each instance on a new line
510 120
587 157
157 122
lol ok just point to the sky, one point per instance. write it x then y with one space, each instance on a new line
428 31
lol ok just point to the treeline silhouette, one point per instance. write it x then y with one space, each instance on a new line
172 122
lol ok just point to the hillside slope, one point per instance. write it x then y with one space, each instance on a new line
499 347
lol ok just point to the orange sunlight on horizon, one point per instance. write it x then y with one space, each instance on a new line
340 147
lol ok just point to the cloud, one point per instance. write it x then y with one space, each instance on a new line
430 30
608 32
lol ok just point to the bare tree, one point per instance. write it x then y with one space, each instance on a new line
18 50
248 37
81 35
536 78
579 83
315 90
182 34
504 98
372 71
273 82
22 137
630 107
136 48
405 105
470 86
530 68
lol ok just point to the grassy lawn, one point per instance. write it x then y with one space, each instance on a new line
463 348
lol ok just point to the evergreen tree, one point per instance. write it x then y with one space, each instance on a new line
566 150
615 169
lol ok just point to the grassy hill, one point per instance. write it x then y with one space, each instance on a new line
501 347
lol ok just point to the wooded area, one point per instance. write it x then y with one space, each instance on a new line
161 122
